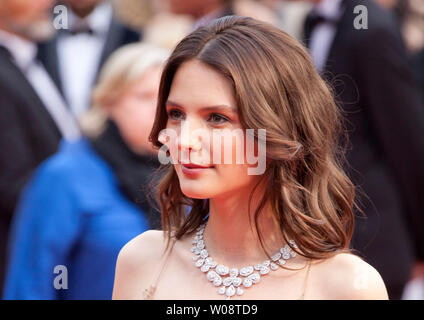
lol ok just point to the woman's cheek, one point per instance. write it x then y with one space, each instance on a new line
228 149
169 137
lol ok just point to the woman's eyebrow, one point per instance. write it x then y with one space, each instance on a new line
170 103
222 107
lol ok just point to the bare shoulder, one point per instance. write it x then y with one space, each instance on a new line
146 247
347 277
137 264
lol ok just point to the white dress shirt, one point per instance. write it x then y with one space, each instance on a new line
79 56
24 55
323 34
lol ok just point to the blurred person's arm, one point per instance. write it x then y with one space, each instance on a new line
397 116
45 229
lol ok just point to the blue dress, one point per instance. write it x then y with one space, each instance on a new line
71 214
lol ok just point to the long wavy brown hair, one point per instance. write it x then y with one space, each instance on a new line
277 88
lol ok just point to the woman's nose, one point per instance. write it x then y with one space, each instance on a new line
189 138
190 143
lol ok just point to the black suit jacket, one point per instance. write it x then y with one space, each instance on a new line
417 61
118 35
384 114
28 135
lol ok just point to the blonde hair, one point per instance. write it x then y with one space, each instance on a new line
123 67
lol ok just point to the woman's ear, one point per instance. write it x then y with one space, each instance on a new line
112 107
108 106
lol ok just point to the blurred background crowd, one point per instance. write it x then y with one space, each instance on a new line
78 101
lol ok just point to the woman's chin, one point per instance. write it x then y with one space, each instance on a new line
195 190
195 194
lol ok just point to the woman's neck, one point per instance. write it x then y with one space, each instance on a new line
230 236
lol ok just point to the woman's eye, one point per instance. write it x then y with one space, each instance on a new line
217 118
175 114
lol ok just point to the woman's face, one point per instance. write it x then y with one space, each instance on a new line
135 110
201 107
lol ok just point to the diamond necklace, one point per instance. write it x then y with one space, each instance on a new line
231 281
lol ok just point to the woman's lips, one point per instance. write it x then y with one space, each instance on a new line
193 165
191 169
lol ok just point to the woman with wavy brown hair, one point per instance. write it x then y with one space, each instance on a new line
276 220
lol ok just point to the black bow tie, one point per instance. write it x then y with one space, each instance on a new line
315 19
78 30
312 21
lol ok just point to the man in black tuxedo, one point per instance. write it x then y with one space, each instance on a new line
33 115
367 66
417 61
74 57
